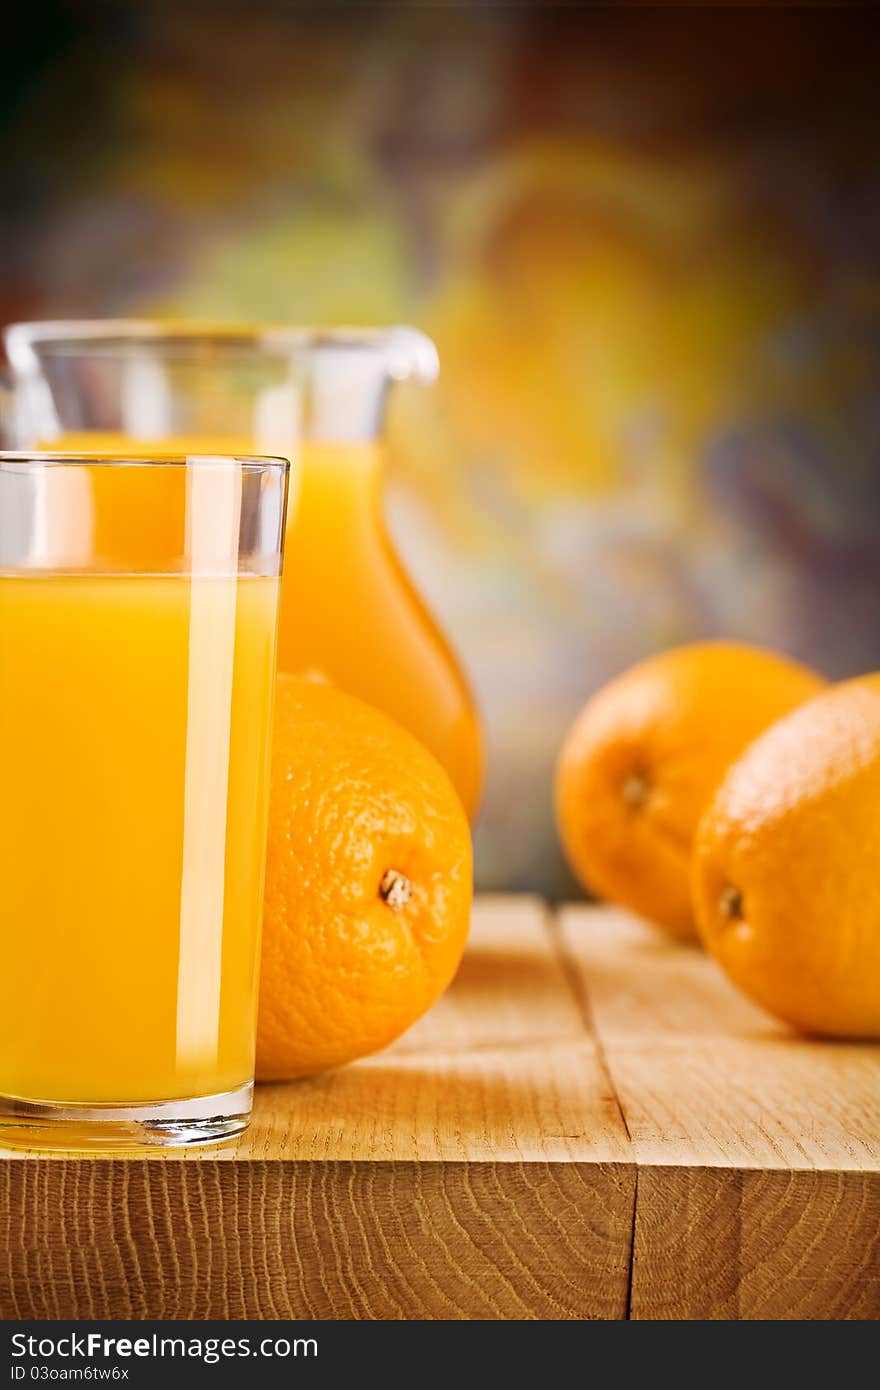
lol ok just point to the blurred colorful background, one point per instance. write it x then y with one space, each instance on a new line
646 242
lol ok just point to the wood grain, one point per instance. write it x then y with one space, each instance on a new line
547 1103
510 988
758 1152
480 1168
315 1240
722 1243
591 1123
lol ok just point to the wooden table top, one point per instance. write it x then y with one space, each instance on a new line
591 1123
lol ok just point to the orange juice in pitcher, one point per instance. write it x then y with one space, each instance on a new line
349 612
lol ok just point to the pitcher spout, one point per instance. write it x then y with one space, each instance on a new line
411 356
148 379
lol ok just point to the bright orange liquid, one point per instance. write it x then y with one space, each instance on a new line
134 734
348 610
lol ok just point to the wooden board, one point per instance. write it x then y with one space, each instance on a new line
479 1168
758 1152
590 1124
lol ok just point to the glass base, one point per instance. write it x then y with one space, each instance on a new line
165 1124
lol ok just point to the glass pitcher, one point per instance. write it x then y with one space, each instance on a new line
348 610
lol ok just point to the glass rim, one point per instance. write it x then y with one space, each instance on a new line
49 458
408 350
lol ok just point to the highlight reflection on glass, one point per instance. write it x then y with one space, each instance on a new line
135 702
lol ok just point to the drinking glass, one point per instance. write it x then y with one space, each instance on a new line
138 628
349 611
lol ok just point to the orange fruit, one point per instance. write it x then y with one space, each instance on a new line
368 882
644 756
786 870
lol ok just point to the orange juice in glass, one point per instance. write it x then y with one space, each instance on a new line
348 610
135 700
